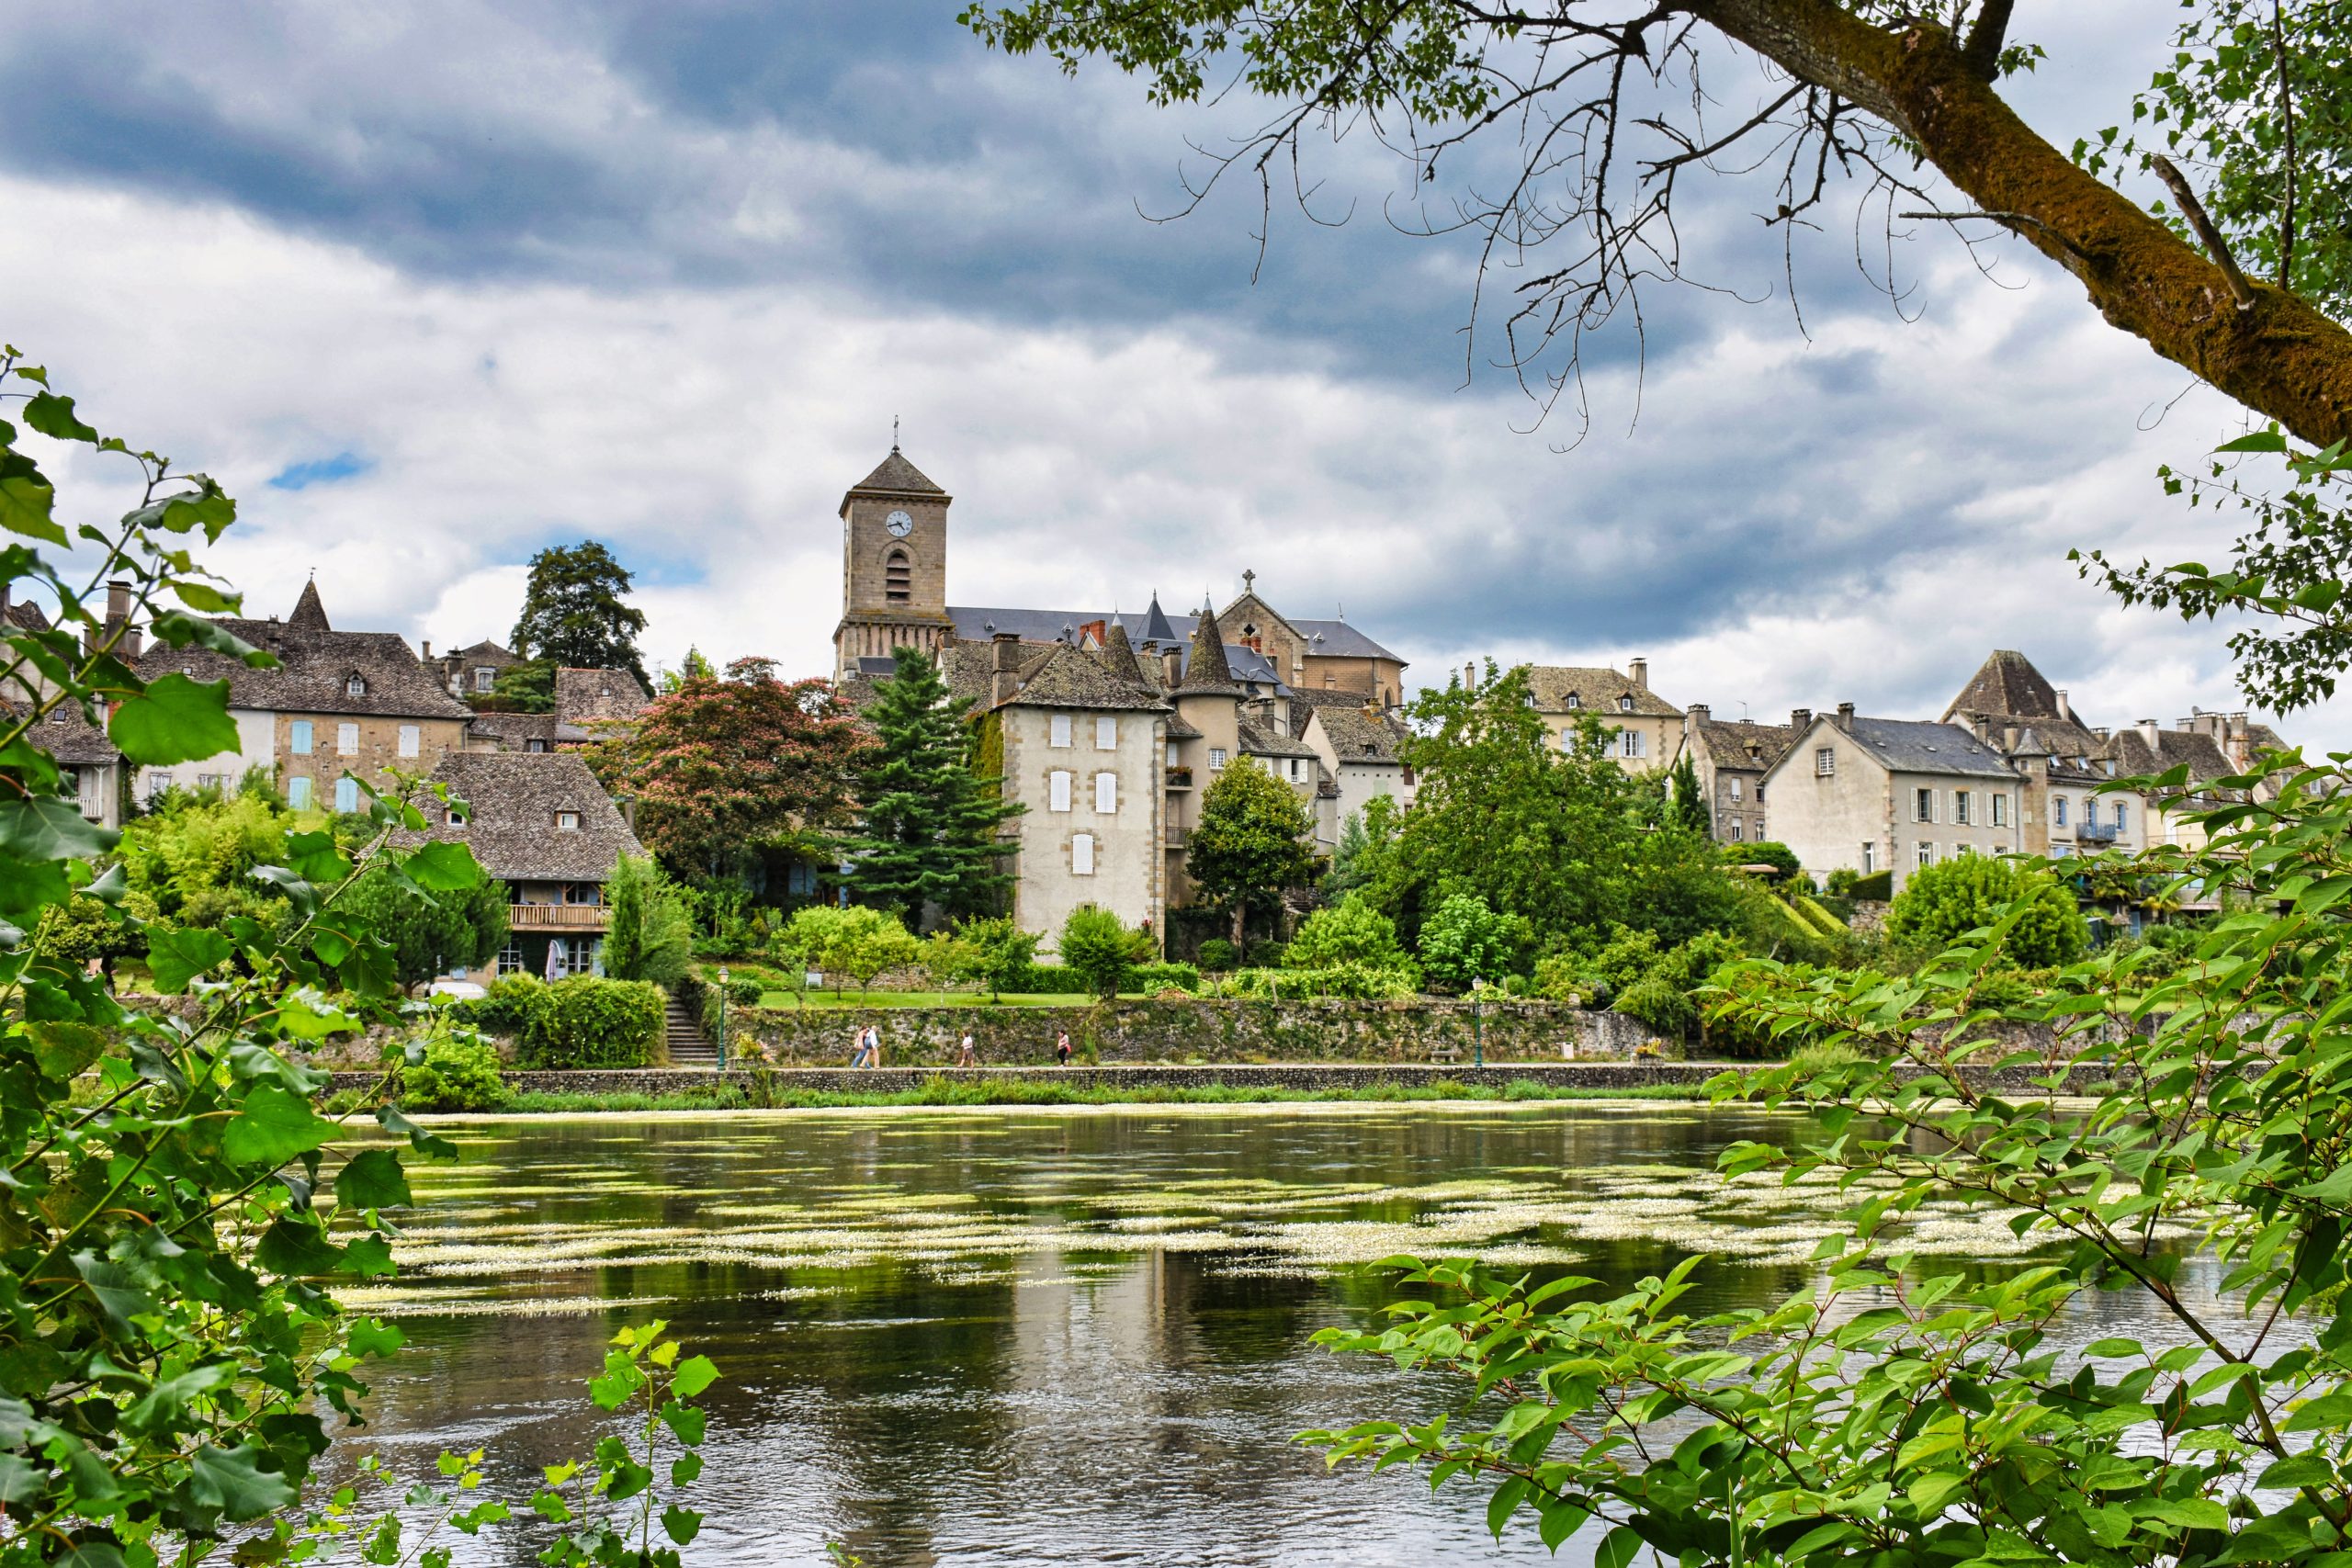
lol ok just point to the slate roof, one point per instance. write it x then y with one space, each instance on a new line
978 623
584 697
27 615
1727 742
514 731
315 664
894 476
66 736
1081 678
2007 683
1258 740
1917 746
2132 753
1118 655
1359 737
485 652
1598 690
1155 626
513 797
1206 668
1336 639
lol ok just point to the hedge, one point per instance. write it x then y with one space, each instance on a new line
579 1021
1057 980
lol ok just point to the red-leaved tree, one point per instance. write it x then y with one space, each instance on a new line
722 768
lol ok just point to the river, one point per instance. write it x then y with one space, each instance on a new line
1043 1336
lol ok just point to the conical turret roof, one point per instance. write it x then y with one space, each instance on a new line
1119 654
1206 670
308 614
1156 629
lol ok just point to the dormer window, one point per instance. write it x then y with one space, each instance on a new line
354 685
484 678
567 821
1574 700
1624 705
455 818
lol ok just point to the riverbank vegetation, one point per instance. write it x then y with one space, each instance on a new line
943 1091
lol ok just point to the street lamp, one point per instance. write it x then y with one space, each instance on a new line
1477 1025
722 1018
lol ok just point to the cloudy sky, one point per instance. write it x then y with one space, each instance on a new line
431 284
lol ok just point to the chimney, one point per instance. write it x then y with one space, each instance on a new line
1470 676
1800 718
427 654
1004 668
1171 665
1639 669
2148 732
2100 731
1845 715
1697 712
2065 708
117 615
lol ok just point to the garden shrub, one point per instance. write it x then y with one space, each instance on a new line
1875 888
1218 956
459 1073
1156 978
1350 931
591 1022
1467 942
516 1006
1100 951
1942 903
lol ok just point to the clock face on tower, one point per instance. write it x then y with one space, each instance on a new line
899 524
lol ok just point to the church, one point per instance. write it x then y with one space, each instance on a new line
1110 725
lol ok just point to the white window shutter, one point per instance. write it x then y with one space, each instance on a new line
1057 790
1106 793
1059 727
1106 734
1081 855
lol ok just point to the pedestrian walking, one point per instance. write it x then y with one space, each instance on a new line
966 1055
857 1049
1061 1048
874 1040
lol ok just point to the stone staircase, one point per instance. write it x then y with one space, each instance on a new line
688 1046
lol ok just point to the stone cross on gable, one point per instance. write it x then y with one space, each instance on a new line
1249 582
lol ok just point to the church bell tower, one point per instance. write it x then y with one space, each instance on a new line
894 566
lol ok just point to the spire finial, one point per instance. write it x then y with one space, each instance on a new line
894 433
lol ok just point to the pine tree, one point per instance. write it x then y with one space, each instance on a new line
1685 809
928 818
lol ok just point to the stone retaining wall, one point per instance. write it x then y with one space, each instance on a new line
1200 1032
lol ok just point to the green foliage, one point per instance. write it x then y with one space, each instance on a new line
195 844
1001 951
652 935
170 1355
1686 806
581 1020
459 1072
432 933
1942 903
928 834
1877 887
1343 981
859 943
1216 955
1465 942
1350 931
1351 861
576 614
84 928
1100 951
1251 844
525 687
1765 851
515 1006
695 666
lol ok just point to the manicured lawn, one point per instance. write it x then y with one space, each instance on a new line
855 998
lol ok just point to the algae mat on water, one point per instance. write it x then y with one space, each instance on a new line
551 1214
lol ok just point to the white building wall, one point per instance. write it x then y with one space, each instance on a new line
1826 819
256 743
1127 874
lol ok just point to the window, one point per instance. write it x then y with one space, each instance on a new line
1058 730
1057 790
1735 830
1106 793
298 794
346 796
567 821
410 736
2058 811
1735 787
1926 852
510 957
455 818
1960 806
1624 705
299 738
1172 756
1759 792
1106 734
1870 858
1574 700
484 678
584 893
898 578
2122 815
355 686
1081 855
1825 762
2000 804
1295 766
534 744
2090 814
346 740
1923 806
1217 757
1628 743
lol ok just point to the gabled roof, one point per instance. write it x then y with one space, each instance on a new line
315 667
894 476
1728 740
2131 753
515 731
1356 736
1078 678
584 696
514 797
1572 688
484 652
1917 746
27 615
1206 670
1260 740
66 736
1336 639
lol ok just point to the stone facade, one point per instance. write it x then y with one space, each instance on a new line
1645 730
1871 795
323 747
894 567
1091 832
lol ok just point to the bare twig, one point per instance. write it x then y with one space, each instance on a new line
2287 119
2207 234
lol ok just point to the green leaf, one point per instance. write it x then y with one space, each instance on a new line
54 417
443 867
2271 440
685 1420
681 1525
174 720
2297 1470
370 1337
114 1289
175 957
2329 1412
232 1481
64 1049
694 1374
1617 1549
51 830
27 500
373 1179
273 1126
297 1248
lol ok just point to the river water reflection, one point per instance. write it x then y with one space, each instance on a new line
984 1337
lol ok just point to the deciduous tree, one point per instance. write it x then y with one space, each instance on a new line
1250 845
576 613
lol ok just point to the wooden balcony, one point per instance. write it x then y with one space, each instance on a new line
556 917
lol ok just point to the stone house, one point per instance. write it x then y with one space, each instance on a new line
338 702
585 699
1644 729
1360 748
1871 795
89 767
542 825
1731 757
469 671
1310 655
2064 762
